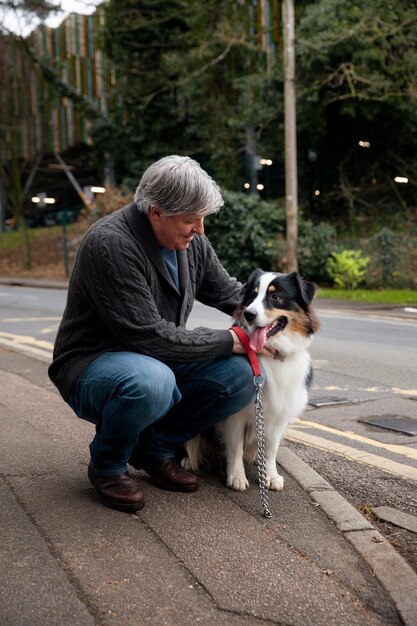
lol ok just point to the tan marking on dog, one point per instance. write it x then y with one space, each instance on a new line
271 288
299 322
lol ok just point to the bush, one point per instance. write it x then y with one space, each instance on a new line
388 255
316 242
347 268
245 233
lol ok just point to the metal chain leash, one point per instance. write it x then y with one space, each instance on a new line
260 437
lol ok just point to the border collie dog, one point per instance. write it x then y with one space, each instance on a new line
275 312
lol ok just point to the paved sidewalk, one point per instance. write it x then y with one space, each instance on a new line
205 558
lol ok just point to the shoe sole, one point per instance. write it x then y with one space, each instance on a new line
120 506
172 487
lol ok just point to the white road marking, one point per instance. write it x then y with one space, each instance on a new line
382 463
26 340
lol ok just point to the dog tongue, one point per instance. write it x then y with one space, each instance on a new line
258 339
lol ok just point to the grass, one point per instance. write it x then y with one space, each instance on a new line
10 239
13 238
371 296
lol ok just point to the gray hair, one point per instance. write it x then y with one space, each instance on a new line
178 185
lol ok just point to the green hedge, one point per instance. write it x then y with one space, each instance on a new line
246 233
249 232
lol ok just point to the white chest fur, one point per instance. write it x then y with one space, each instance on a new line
285 392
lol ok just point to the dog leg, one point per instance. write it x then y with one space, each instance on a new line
233 429
274 480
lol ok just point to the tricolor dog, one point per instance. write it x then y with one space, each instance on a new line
275 312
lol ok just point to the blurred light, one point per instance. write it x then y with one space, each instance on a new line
246 185
401 179
364 144
35 199
259 186
98 189
317 192
268 162
49 200
265 161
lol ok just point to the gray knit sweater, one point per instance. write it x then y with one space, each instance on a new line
122 297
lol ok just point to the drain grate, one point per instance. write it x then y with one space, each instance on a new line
398 423
327 400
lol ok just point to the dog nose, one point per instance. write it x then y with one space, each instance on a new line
249 315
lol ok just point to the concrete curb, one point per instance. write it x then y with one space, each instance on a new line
393 572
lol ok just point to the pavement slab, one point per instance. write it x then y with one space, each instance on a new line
34 589
398 518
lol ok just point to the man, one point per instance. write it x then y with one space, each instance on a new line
123 358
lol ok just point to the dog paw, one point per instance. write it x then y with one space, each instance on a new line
275 483
186 464
237 482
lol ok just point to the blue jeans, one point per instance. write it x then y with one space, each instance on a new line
135 400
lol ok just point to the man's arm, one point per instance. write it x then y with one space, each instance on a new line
115 285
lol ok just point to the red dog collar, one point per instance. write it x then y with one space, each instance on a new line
249 351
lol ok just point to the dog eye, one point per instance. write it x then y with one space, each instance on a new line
276 297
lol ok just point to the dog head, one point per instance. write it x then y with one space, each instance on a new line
275 310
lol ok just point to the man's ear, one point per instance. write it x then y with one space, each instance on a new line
155 212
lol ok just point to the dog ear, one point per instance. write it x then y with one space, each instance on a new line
307 289
246 293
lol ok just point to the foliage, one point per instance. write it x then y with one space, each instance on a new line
194 82
405 297
245 233
347 268
357 82
388 256
315 244
111 201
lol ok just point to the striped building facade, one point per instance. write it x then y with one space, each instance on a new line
45 121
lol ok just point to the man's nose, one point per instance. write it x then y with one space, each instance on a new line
199 226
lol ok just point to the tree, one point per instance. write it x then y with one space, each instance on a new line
357 83
195 80
13 167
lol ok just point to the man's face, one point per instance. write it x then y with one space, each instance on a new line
175 232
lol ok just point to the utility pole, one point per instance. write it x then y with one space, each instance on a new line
291 189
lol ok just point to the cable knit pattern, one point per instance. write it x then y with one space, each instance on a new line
122 297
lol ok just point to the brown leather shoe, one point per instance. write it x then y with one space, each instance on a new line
165 473
118 491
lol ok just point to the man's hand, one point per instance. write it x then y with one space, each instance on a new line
239 349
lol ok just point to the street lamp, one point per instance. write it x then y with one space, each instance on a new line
42 199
